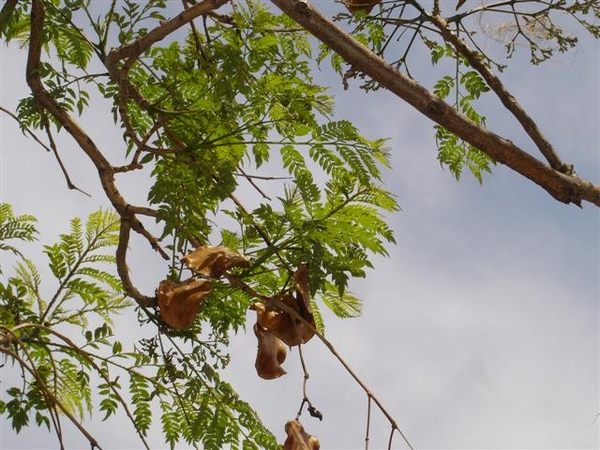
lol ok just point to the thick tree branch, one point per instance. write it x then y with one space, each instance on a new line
123 270
132 51
563 187
507 99
105 169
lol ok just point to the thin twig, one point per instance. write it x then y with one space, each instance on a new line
254 185
90 360
58 298
55 420
51 149
368 422
260 231
26 129
235 281
179 142
218 398
172 379
50 398
70 184
141 146
304 382
195 36
389 447
259 177
353 374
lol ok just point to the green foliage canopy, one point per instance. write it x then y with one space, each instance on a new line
215 115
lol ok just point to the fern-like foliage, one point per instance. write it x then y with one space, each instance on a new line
14 228
204 138
73 365
76 262
467 86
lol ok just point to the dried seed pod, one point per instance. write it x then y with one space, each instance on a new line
179 302
271 354
283 325
286 326
298 439
213 261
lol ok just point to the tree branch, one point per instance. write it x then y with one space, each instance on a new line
26 129
237 282
123 270
507 99
563 187
54 148
46 102
132 51
96 367
50 398
6 14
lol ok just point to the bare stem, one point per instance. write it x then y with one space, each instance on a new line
368 422
70 184
304 382
389 447
235 281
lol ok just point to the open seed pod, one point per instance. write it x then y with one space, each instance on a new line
281 324
179 302
271 354
213 261
288 327
298 439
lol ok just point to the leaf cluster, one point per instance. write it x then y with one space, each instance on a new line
67 377
401 31
467 86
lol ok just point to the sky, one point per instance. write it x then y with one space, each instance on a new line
481 328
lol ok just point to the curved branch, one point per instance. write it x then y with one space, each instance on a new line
105 170
563 187
132 51
123 270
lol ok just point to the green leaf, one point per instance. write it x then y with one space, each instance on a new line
15 227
